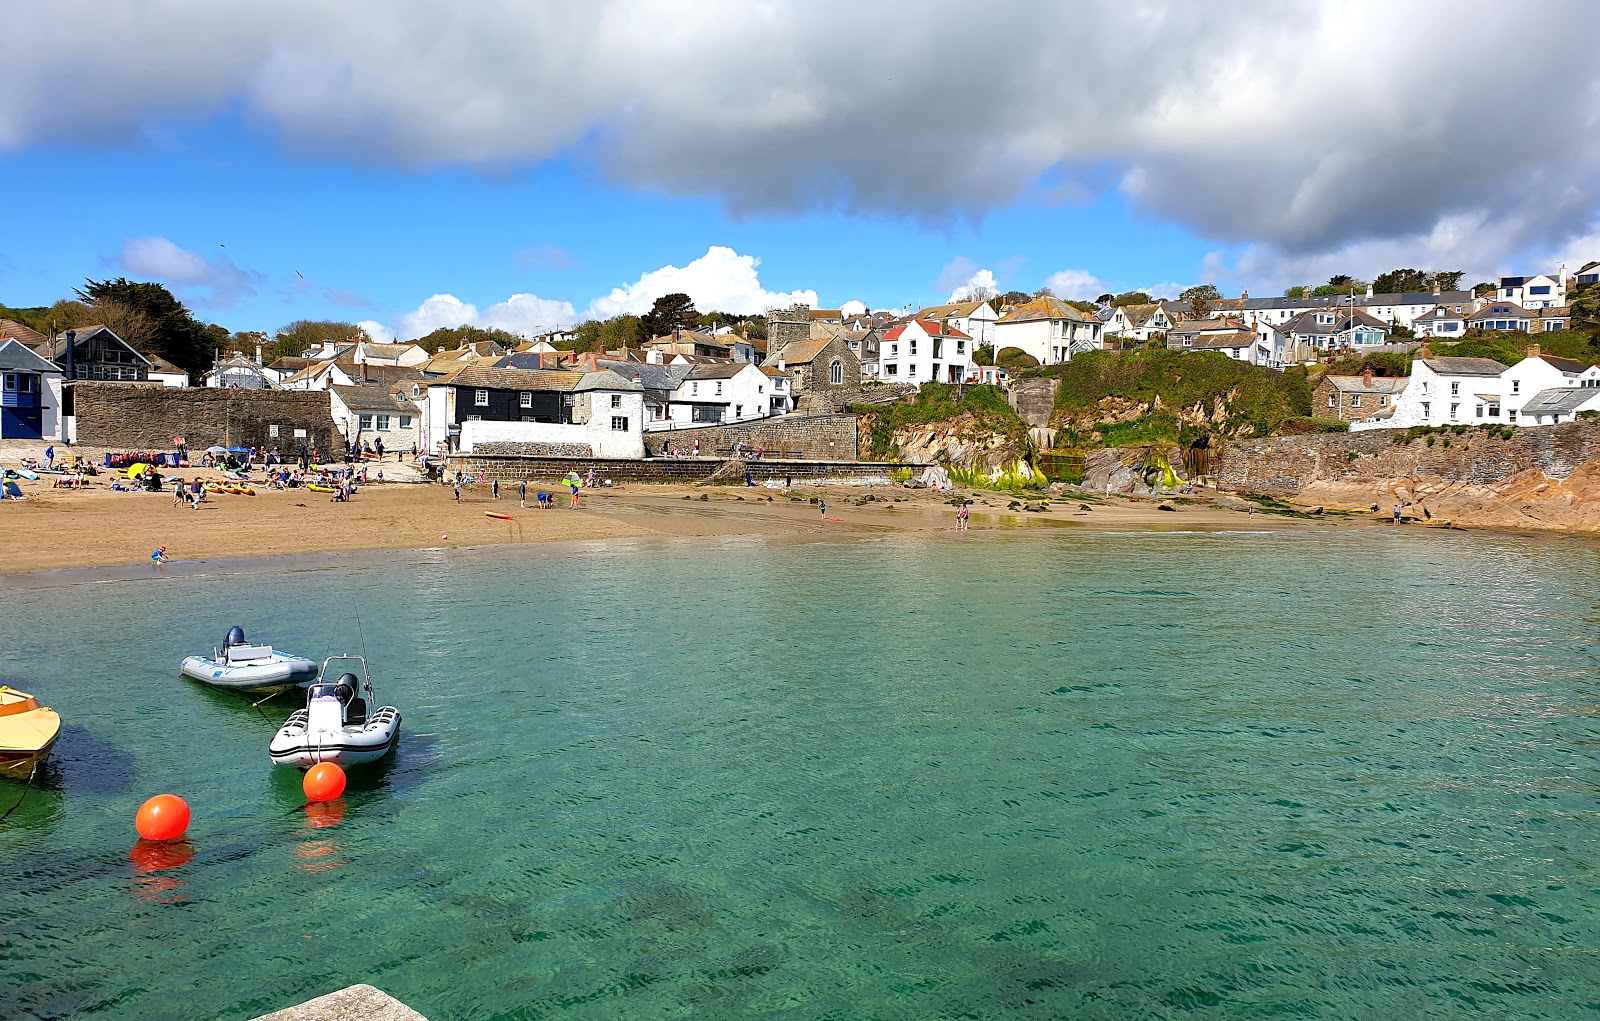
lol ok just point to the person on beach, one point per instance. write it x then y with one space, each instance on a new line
697 446
588 479
544 500
377 447
458 487
823 504
1397 514
522 493
575 486
494 489
159 556
961 518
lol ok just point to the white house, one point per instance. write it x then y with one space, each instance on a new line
167 374
240 372
369 414
1539 376
1139 322
1533 292
1448 391
922 351
553 410
782 400
1588 274
1502 316
1440 321
974 318
1329 329
721 392
30 394
1226 336
1048 329
369 353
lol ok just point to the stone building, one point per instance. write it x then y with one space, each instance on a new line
787 326
819 364
1356 398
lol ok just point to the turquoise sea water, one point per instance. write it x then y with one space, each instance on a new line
1086 776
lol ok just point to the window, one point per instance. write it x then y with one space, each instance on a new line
1424 409
738 411
527 400
1453 411
891 369
405 421
1511 415
1516 386
719 388
1333 400
1383 400
474 418
836 372
961 347
911 370
913 347
480 399
365 422
1494 411
1541 289
1188 342
1455 389
416 389
694 389
619 423
894 349
1480 411
1355 401
616 400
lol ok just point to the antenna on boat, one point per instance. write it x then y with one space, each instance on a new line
365 669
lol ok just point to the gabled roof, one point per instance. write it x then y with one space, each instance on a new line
932 327
653 377
83 333
483 377
1344 318
1568 365
289 363
1439 313
1231 339
686 337
1451 366
718 370
33 338
15 356
775 373
605 379
1359 385
801 352
954 310
1560 400
160 364
366 398
1045 307
1205 326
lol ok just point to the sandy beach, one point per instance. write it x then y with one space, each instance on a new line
57 528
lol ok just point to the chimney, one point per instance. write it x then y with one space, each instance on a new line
1369 290
1244 295
1532 351
258 354
1366 376
638 378
72 342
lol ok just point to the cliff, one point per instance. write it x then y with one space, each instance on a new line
1546 478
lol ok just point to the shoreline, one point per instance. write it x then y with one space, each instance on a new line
58 530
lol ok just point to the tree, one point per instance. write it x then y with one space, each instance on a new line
1131 298
1448 280
1294 292
670 312
448 338
977 292
1014 297
622 332
1201 297
983 355
1402 281
1339 284
174 334
1015 358
1484 290
1086 307
1044 292
293 340
1105 299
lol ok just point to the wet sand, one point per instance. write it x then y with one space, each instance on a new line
97 527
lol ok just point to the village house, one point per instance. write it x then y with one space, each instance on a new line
689 342
1502 316
1225 336
240 372
1357 398
1539 384
922 351
370 353
974 318
601 413
1588 274
1048 329
721 393
660 383
1533 292
166 373
30 394
1333 329
1136 322
370 414
1440 321
1448 391
96 352
816 365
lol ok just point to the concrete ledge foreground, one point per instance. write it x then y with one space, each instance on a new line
355 1003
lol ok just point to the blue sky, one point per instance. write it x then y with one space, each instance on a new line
410 164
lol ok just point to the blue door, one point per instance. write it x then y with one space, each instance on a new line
21 407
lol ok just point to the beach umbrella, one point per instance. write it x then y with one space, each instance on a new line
216 450
238 450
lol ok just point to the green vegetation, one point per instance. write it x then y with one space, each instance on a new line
944 402
301 335
1014 358
1257 399
1014 477
1305 426
452 337
1381 364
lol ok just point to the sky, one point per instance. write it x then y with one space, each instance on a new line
410 164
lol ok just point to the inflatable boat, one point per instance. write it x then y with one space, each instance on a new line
338 724
241 666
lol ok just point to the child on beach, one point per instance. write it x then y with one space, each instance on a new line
961 518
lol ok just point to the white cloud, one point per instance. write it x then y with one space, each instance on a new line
1075 285
376 331
519 314
1165 290
853 308
721 280
211 282
982 280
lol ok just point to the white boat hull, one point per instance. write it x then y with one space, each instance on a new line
297 744
279 671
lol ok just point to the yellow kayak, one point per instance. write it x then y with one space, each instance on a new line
27 730
320 489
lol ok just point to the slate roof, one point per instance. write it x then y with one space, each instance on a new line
653 377
1559 400
719 370
15 356
1358 384
83 333
605 379
1439 313
484 377
801 352
1568 365
289 363
1464 366
367 398
1222 341
1344 318
1500 310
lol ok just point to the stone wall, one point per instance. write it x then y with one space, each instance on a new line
1035 401
811 437
134 416
1282 466
787 325
549 470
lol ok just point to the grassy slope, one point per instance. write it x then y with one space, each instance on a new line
936 402
1262 399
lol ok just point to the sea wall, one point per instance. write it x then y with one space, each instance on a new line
1284 466
807 437
510 468
138 416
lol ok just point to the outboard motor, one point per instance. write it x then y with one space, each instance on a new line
235 636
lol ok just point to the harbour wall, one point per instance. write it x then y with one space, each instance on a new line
513 468
803 437
1284 466
139 416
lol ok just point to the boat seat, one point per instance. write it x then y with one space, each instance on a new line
248 653
357 716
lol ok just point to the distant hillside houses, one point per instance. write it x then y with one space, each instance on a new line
1539 390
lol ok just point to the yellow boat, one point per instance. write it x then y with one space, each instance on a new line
27 730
